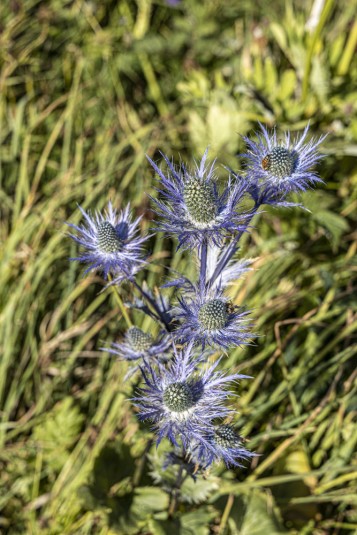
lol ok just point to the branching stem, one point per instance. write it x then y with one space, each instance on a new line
158 313
120 303
231 249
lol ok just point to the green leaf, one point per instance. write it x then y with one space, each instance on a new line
279 35
288 84
334 224
197 522
198 491
271 77
319 79
149 500
163 527
58 432
260 517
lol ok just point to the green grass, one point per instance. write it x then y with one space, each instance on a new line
86 90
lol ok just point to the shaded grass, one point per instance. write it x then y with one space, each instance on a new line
88 89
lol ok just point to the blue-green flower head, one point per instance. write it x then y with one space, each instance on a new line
207 317
276 167
111 243
139 340
139 346
182 399
222 443
192 208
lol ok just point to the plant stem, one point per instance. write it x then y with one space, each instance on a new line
203 266
175 493
231 250
121 304
141 464
160 316
226 513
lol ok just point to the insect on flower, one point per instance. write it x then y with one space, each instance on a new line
207 317
265 162
276 168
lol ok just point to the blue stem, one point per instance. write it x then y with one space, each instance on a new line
159 314
231 250
203 266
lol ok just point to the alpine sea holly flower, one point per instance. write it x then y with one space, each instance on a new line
139 346
222 443
208 317
276 168
111 242
193 209
181 400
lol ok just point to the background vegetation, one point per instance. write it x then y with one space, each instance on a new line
86 89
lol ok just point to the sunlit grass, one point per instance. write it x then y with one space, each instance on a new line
86 90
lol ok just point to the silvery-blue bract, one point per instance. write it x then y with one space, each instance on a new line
182 399
275 168
139 346
111 243
192 208
222 443
207 317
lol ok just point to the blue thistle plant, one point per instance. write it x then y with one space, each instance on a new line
111 243
139 346
181 399
192 208
183 396
209 318
277 168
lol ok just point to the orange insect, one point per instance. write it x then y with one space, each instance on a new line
266 162
230 307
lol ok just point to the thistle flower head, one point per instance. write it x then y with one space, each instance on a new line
201 202
222 443
111 243
280 162
139 347
178 397
181 400
108 238
207 317
276 168
139 340
213 314
225 437
192 208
